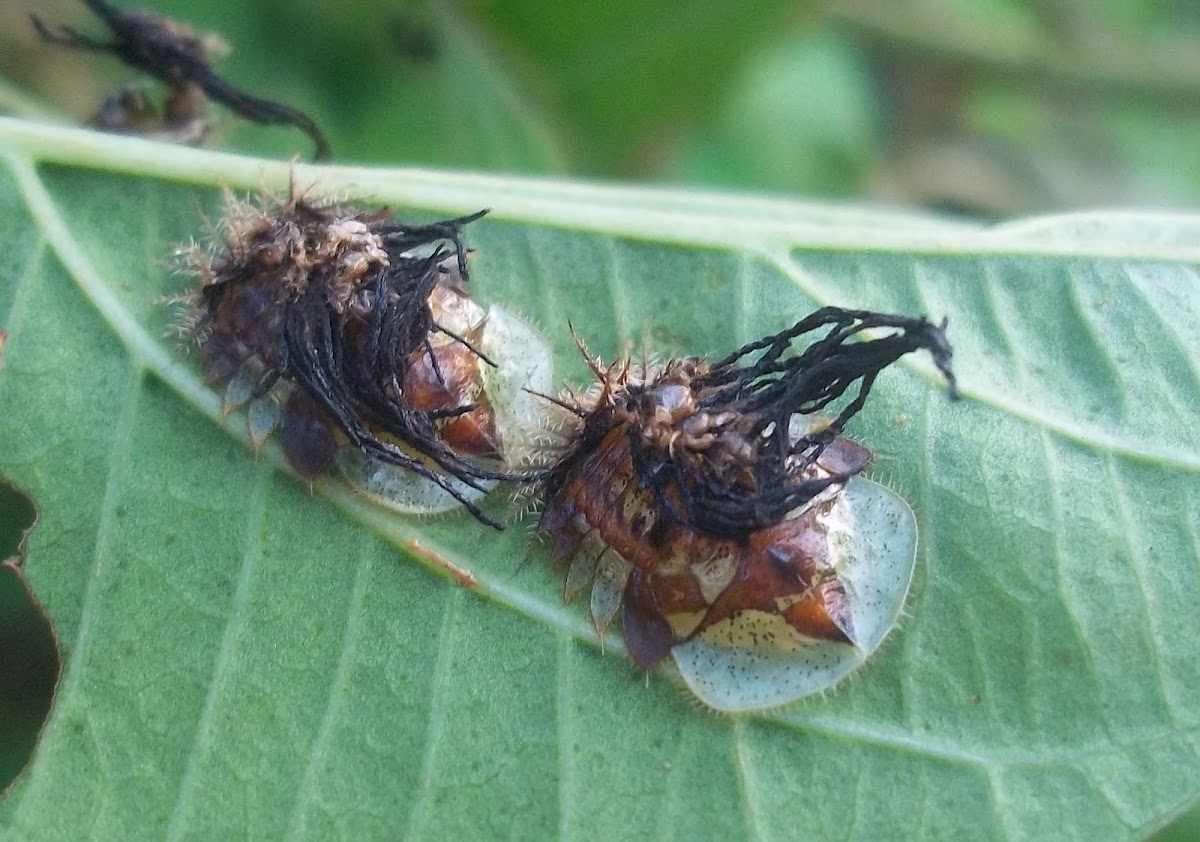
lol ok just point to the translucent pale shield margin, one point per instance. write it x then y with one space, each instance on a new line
873 539
524 366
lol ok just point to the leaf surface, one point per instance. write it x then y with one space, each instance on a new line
246 656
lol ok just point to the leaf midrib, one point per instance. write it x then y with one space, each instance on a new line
754 225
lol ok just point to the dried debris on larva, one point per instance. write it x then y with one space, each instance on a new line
354 337
716 506
181 59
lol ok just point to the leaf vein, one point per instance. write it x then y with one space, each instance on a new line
439 682
746 784
69 690
33 262
337 694
564 736
1150 630
255 513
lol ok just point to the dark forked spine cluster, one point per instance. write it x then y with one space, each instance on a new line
717 443
335 303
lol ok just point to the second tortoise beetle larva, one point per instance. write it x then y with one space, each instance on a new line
718 509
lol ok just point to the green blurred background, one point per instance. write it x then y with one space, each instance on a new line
985 108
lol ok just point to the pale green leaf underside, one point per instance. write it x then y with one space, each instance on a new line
244 656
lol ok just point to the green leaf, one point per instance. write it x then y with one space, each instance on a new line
244 656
